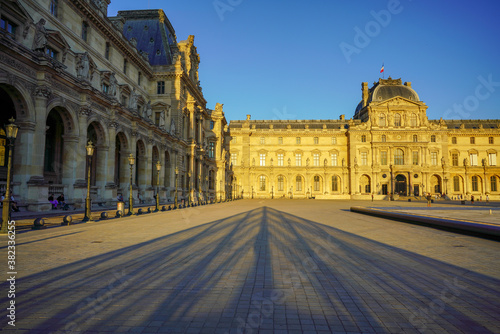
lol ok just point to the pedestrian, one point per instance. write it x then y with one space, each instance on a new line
61 201
472 199
372 197
119 198
429 199
487 198
53 202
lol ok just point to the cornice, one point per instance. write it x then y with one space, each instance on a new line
108 29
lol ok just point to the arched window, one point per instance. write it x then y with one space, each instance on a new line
397 120
335 183
433 138
399 157
298 183
384 138
262 183
281 183
475 183
316 184
415 138
363 138
493 183
456 183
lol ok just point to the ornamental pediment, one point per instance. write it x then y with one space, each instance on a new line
398 101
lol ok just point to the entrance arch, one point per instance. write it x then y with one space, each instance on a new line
400 185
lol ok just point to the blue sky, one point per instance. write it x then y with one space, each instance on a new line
306 60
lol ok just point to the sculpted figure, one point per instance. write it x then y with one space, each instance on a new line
149 110
112 84
132 104
40 39
83 66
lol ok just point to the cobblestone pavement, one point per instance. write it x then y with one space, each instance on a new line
270 266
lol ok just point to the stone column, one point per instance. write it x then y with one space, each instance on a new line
71 159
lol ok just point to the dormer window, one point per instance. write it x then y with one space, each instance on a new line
8 26
52 53
54 7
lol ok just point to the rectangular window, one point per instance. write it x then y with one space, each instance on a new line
316 140
105 88
453 140
493 183
262 140
492 159
298 183
106 51
160 87
8 26
383 158
472 140
491 140
51 53
280 159
475 183
125 66
139 77
211 150
85 31
53 7
333 157
415 157
454 159
212 124
473 159
434 159
316 159
298 159
262 159
334 140
364 159
280 140
234 158
262 183
297 140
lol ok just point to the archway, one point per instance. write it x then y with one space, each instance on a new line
365 184
400 185
435 184
53 157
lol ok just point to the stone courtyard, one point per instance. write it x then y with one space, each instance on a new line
254 266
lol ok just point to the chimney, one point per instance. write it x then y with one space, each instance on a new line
408 84
364 94
248 117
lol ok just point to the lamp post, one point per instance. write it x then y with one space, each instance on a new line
90 152
206 189
189 189
158 168
175 198
11 133
220 189
131 161
199 189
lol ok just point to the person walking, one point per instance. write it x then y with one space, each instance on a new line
472 199
429 199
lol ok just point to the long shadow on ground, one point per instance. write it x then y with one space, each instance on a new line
260 270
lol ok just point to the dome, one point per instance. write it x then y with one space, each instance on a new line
386 89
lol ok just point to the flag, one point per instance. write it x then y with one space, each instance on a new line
382 69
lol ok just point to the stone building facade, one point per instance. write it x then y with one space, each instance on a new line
70 74
389 148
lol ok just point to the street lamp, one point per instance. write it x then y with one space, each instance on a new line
220 189
11 135
175 199
90 153
189 189
131 161
206 189
158 168
199 189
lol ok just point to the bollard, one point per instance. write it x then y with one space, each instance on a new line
67 220
164 208
39 224
139 212
119 213
149 210
491 212
104 215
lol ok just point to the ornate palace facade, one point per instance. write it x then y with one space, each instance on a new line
388 147
69 74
